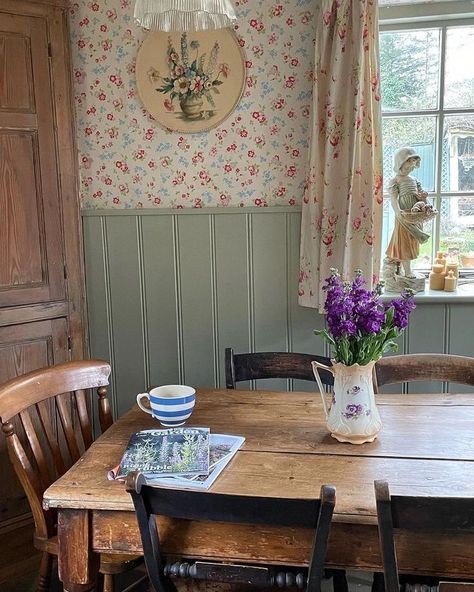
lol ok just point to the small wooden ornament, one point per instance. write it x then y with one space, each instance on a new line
450 282
437 277
454 267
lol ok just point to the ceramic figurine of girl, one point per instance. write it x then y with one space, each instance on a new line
406 194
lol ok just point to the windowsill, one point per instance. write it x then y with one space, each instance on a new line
463 293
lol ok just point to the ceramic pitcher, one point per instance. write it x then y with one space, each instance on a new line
352 415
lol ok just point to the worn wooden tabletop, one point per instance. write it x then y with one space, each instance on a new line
426 447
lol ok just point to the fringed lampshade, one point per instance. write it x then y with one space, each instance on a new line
184 15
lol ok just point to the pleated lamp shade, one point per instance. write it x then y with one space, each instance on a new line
184 15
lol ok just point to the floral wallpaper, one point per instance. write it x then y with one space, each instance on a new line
256 157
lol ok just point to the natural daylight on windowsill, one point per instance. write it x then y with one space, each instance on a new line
427 80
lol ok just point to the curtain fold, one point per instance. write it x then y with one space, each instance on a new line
342 203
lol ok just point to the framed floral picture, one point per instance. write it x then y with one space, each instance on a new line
190 82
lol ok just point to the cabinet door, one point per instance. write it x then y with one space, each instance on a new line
31 251
24 348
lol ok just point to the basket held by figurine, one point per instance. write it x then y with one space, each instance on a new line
419 217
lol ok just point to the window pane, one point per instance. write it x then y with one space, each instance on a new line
457 228
424 259
458 153
416 132
459 75
409 69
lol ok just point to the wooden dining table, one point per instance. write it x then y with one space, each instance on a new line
425 448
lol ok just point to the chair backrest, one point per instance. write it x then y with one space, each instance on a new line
46 420
252 366
415 514
410 367
151 502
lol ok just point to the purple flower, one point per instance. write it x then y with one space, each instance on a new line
359 326
402 308
353 411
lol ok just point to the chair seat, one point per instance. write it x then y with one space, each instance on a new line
110 563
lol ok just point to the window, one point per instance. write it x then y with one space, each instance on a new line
427 79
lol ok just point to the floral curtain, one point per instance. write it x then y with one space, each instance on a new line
342 204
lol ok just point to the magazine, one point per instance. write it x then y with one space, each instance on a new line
174 451
222 449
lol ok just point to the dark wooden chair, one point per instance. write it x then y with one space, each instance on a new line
45 417
411 367
252 366
151 502
456 587
416 514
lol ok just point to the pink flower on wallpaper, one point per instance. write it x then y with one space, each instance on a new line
115 128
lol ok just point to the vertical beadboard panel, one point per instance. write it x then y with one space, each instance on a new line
168 292
159 280
302 320
197 300
126 305
270 273
96 288
233 325
460 336
100 321
422 341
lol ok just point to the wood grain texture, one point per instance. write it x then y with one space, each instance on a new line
24 347
288 453
41 293
38 385
428 367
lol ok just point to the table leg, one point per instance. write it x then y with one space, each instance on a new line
77 564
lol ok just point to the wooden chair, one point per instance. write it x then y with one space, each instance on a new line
239 367
46 420
410 367
416 514
456 587
151 502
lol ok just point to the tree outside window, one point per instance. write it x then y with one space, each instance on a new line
427 78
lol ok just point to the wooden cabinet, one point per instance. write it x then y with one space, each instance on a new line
41 293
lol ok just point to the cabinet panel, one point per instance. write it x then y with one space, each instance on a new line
20 244
31 248
16 80
24 348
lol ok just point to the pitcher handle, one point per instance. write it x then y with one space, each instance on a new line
315 366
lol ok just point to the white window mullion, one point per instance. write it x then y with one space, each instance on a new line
439 144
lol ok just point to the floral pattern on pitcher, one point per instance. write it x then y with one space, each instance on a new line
355 390
353 411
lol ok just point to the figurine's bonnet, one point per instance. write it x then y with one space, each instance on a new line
401 156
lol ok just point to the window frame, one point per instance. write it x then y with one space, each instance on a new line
397 22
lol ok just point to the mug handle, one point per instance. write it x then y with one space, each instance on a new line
140 404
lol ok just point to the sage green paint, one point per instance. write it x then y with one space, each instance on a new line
168 291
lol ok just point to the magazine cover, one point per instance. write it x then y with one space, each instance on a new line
175 451
222 448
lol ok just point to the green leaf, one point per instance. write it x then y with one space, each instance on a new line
217 82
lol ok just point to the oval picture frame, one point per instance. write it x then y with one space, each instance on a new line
190 82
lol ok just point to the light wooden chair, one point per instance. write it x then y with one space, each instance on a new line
412 367
416 514
253 366
45 417
151 502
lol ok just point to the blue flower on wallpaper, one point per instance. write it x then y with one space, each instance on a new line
124 161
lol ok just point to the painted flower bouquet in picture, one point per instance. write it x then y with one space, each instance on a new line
360 328
193 79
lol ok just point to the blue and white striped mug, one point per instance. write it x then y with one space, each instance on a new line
171 404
